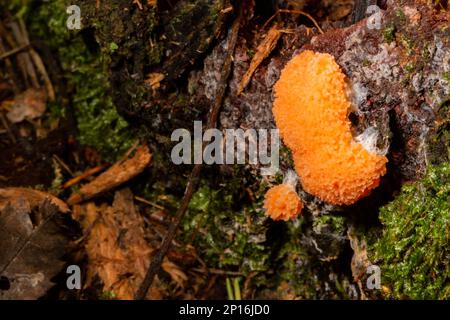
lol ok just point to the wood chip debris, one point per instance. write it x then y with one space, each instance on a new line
154 80
118 174
86 174
263 51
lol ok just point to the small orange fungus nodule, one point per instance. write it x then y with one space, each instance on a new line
282 202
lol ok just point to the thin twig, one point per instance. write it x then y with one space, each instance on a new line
129 151
38 63
219 272
7 36
63 164
20 36
86 174
277 14
13 51
8 63
195 174
303 14
149 203
139 4
8 129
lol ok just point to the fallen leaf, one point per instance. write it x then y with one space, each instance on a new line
34 197
29 105
32 245
117 251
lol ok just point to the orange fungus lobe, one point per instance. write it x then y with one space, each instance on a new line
311 111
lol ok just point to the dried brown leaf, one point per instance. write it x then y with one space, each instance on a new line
30 104
116 247
32 244
34 197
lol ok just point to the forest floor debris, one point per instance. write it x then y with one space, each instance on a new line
118 174
33 241
117 251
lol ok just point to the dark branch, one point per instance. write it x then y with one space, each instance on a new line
194 178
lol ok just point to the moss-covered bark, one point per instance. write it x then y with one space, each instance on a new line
413 250
85 78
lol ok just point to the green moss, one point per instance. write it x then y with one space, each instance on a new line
286 158
113 46
426 53
335 224
85 72
19 8
228 237
439 146
366 63
308 276
407 43
291 256
389 34
410 67
447 77
108 295
401 16
412 251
